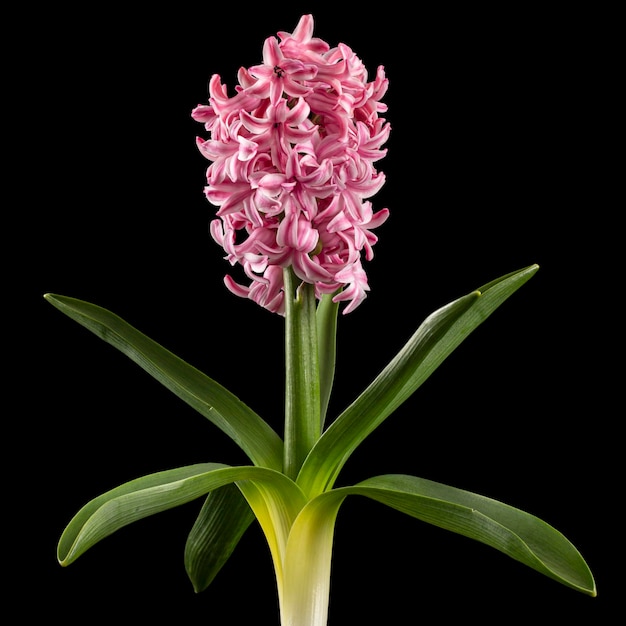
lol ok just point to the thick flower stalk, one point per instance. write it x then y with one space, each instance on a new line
293 156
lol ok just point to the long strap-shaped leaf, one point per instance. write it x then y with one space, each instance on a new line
158 492
256 438
222 521
326 317
433 341
515 533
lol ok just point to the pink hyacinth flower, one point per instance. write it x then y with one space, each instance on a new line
292 169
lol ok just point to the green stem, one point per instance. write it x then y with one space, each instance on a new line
302 382
327 347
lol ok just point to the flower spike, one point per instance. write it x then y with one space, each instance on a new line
293 155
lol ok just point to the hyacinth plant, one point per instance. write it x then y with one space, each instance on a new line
293 154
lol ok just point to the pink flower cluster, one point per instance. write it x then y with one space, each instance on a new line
293 155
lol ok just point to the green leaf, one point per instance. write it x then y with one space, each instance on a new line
326 315
158 492
517 534
433 341
255 437
223 519
513 532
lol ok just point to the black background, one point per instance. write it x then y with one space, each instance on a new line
497 159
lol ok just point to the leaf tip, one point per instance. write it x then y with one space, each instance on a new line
52 298
63 557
